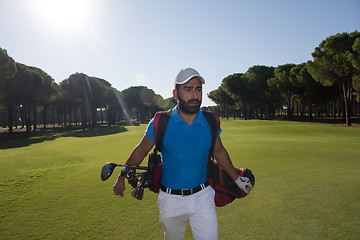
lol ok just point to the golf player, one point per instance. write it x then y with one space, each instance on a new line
185 194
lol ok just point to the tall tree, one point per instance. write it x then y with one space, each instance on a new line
7 72
283 81
258 77
335 63
89 92
114 106
140 102
168 103
30 89
45 90
223 99
237 86
355 60
306 86
77 87
98 88
69 100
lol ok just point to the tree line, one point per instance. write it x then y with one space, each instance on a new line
30 97
327 86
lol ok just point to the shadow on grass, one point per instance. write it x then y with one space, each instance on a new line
355 120
23 139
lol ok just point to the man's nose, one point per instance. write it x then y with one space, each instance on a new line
195 94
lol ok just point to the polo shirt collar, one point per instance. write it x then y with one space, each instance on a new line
200 119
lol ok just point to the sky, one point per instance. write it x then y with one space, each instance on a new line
145 43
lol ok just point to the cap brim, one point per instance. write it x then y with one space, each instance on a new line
191 77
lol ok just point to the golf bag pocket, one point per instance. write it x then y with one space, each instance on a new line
157 179
154 171
226 190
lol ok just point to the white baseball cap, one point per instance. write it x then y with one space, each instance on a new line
186 75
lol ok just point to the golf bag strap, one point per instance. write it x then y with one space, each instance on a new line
214 123
156 124
161 120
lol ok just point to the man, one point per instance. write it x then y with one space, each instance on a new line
184 153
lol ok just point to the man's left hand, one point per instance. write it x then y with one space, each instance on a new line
244 184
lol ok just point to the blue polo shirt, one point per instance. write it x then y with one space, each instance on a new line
184 151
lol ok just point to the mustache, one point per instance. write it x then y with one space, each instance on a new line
194 101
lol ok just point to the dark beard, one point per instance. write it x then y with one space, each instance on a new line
186 108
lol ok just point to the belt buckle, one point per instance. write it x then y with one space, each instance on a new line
188 189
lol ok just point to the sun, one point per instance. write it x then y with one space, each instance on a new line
63 15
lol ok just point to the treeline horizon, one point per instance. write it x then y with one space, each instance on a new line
328 86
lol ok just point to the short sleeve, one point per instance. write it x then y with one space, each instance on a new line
150 130
219 133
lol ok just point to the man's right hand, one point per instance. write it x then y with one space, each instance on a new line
119 186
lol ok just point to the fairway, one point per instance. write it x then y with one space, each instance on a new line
307 184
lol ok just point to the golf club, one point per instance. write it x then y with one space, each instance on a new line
108 169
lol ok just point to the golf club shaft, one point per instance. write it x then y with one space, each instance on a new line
132 166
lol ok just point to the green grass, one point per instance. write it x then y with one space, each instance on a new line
307 184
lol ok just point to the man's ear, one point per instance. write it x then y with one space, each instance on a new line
175 95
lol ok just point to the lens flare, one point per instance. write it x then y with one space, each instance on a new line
123 106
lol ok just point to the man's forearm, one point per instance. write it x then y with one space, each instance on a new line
223 158
139 153
136 157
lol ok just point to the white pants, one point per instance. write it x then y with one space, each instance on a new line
199 209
